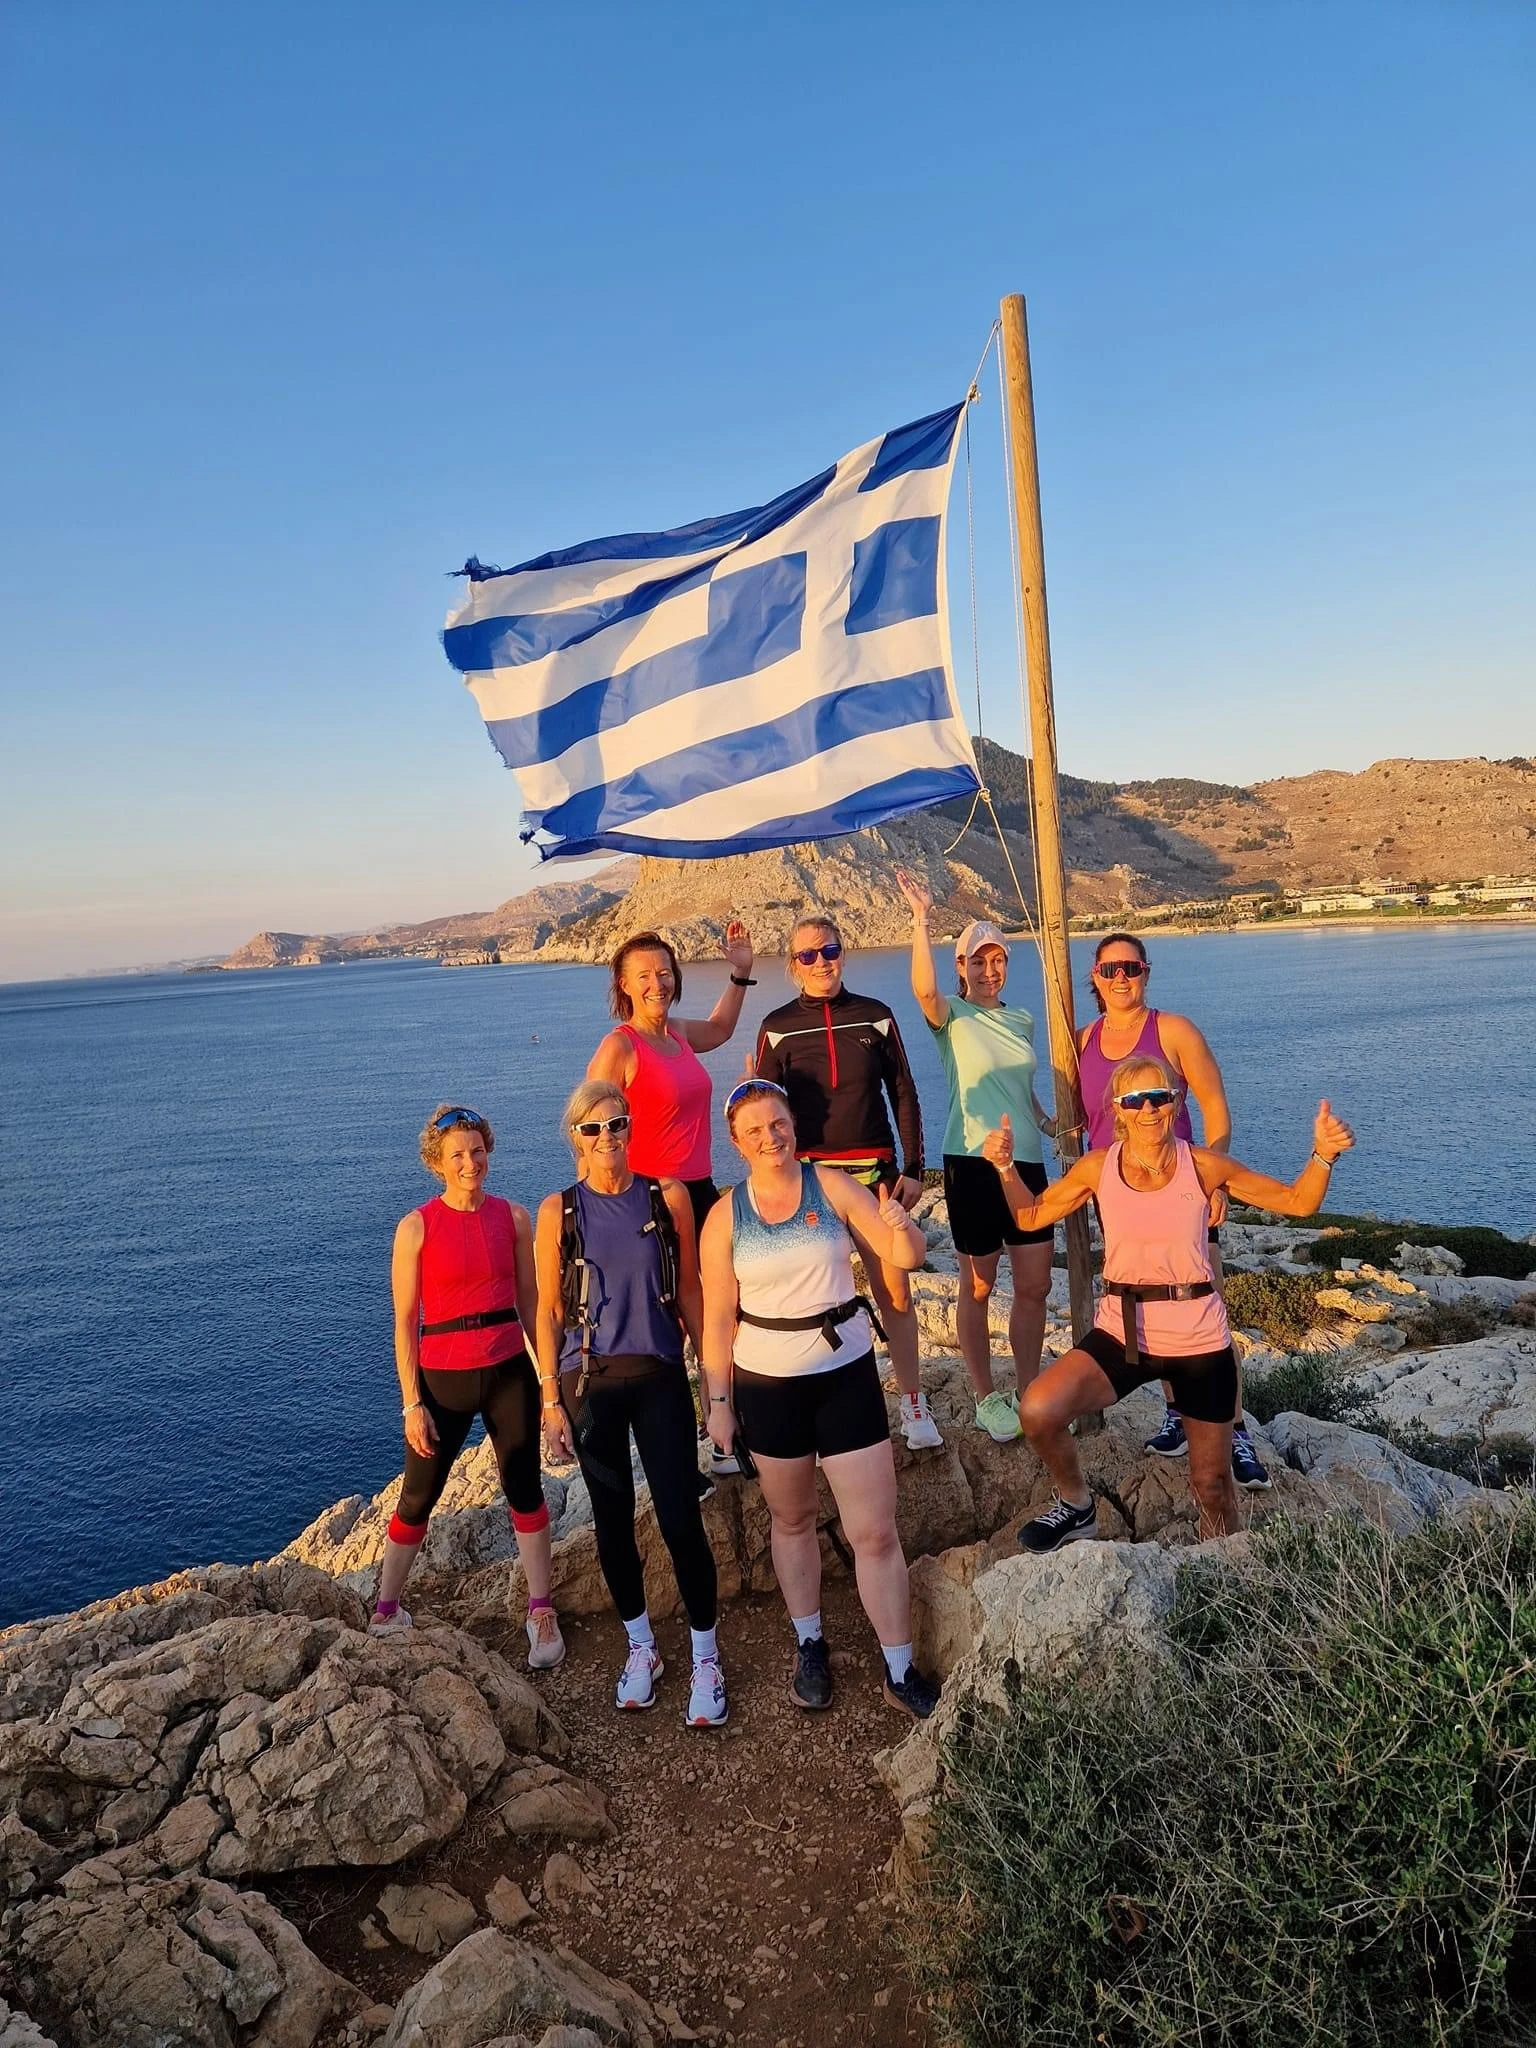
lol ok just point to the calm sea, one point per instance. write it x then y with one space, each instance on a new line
200 1175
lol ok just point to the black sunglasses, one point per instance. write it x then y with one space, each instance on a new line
597 1125
809 955
451 1118
1111 970
1147 1098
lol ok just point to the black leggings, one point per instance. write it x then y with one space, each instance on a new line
507 1395
658 1407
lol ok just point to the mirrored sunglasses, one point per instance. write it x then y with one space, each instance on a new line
809 955
1112 970
595 1127
452 1118
752 1087
1146 1098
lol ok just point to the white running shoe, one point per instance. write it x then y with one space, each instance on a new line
917 1424
546 1645
706 1700
637 1681
394 1624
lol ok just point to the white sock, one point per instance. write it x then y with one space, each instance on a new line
807 1627
639 1632
898 1660
704 1644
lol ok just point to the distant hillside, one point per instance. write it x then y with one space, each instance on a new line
1126 845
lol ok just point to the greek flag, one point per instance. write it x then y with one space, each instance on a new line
777 675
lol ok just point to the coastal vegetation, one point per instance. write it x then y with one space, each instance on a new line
1480 1249
1309 1822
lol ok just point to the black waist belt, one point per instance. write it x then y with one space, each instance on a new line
1131 1297
486 1320
827 1321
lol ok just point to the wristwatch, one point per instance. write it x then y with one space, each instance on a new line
743 981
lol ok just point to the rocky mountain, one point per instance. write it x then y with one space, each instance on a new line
1127 845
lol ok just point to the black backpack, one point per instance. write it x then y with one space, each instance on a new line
576 1269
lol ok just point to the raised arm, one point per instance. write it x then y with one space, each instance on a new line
690 1294
1062 1198
549 1330
405 1288
718 1274
925 980
707 1033
883 1227
1301 1197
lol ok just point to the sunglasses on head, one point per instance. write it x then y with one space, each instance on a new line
1111 970
809 955
595 1127
452 1118
743 1089
1147 1098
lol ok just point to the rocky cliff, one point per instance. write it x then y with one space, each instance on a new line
1126 845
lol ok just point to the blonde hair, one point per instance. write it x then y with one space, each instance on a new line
581 1102
813 921
1128 1070
430 1143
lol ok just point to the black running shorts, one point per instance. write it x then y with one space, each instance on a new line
1204 1387
980 1220
806 1414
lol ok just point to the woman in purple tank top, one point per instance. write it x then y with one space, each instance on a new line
1160 1315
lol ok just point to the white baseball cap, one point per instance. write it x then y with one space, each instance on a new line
981 931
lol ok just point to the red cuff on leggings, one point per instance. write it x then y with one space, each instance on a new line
406 1532
526 1525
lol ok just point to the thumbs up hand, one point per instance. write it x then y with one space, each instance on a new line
1330 1134
997 1146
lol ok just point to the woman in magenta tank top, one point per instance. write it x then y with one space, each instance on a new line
1160 1315
653 1057
462 1277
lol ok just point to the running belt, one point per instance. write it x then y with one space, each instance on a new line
1131 1297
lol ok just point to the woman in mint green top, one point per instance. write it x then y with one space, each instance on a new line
988 1054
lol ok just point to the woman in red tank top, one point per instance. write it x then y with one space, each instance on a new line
1161 1316
653 1058
461 1275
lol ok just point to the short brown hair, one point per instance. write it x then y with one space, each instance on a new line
430 1143
642 942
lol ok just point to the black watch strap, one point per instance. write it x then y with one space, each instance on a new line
744 981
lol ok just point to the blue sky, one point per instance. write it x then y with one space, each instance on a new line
306 304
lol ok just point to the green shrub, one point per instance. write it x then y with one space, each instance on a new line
1308 1383
1311 1826
1450 1322
1282 1305
1481 1250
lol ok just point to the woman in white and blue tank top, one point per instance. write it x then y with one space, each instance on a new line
789 1362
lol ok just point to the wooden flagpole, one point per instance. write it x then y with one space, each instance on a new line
1045 798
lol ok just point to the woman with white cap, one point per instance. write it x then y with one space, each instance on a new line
987 1051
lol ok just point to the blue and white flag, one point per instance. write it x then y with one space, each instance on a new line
777 675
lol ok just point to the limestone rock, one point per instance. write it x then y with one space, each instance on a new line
1372 1475
17 2031
426 1917
493 1985
507 1905
564 1880
259 1741
1482 1389
535 1798
182 1963
40 1660
944 1611
1356 1306
1427 1258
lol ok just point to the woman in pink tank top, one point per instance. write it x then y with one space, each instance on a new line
654 1058
1160 1315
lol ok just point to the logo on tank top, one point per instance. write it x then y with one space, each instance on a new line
812 1219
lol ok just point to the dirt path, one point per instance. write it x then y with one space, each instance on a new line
744 1887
